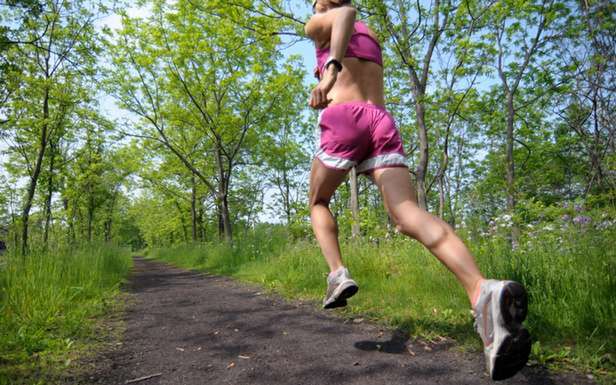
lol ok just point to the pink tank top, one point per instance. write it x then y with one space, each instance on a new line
361 45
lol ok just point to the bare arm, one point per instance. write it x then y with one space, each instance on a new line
335 28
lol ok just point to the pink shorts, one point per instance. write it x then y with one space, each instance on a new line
359 134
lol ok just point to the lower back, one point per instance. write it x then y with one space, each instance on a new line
360 80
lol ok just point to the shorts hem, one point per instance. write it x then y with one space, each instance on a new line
332 167
383 160
367 171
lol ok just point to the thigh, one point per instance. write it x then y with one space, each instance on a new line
323 182
397 190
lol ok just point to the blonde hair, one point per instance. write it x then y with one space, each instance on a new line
336 3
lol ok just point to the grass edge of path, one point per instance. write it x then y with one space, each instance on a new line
58 312
541 356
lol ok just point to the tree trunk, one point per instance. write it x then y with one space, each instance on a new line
14 225
109 221
441 197
221 226
90 216
182 219
287 192
49 195
511 201
441 178
355 230
458 184
200 220
452 214
71 226
107 229
25 216
594 151
422 166
226 220
223 192
193 207
70 219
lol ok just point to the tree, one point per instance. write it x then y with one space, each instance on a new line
17 13
414 44
201 86
45 78
590 112
518 57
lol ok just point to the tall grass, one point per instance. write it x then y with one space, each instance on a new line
48 301
570 279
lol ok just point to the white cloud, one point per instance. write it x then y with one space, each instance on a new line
114 21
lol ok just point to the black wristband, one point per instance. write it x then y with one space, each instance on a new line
335 63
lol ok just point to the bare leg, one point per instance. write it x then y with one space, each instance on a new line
323 184
431 231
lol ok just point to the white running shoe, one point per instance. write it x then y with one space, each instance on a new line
340 286
499 313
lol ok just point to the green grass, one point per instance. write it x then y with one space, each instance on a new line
48 306
572 284
570 277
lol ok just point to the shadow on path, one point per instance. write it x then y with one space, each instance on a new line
190 328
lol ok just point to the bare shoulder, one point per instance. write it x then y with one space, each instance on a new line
319 27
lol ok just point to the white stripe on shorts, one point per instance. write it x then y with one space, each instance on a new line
334 161
384 160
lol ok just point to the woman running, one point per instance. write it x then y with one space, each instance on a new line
357 131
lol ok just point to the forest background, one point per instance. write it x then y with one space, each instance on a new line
182 129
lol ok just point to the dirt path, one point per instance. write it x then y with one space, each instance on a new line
186 328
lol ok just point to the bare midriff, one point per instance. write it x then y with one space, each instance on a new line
359 81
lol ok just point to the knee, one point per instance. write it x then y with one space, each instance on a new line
429 231
404 225
407 228
437 236
315 200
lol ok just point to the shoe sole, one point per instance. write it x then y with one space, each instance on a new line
347 291
512 355
513 305
513 352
